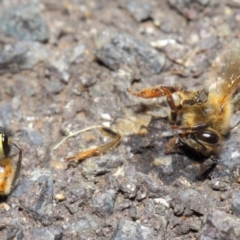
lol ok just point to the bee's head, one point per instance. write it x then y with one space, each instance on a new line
205 142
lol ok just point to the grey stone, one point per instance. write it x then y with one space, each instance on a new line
82 225
6 113
87 80
188 202
140 10
24 23
100 165
119 50
78 195
127 182
220 225
128 230
14 232
22 55
189 8
32 136
36 195
59 68
103 203
220 184
154 186
78 51
236 203
46 233
53 85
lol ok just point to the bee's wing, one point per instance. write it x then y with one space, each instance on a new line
228 76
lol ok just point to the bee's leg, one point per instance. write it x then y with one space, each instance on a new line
199 97
190 129
207 165
189 135
173 146
154 92
181 143
19 163
176 145
159 91
189 132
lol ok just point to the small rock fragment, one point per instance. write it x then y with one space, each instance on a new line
22 55
139 9
219 184
220 225
118 50
103 203
128 230
6 112
236 203
187 202
59 68
46 233
101 165
24 23
32 136
127 182
36 195
189 8
83 225
15 232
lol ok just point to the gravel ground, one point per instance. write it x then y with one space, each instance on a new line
65 65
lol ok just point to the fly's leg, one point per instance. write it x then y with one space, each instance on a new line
160 91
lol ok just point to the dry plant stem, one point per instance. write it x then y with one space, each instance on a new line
95 151
74 134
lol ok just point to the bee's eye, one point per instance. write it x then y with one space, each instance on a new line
207 137
5 144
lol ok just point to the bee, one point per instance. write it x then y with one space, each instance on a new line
201 119
8 174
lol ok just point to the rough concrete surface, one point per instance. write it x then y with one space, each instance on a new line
66 65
